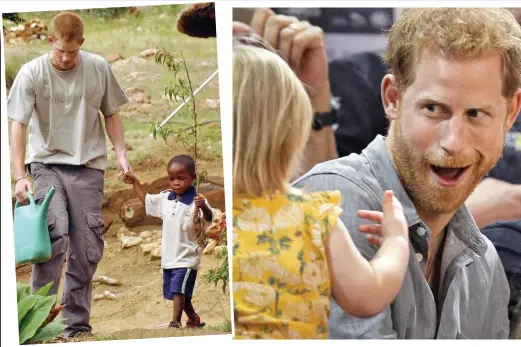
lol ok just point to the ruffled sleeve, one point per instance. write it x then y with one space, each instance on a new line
328 210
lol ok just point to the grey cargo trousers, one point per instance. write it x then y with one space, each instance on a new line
76 231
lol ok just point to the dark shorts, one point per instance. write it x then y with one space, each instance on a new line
178 281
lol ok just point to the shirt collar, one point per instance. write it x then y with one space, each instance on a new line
462 223
187 198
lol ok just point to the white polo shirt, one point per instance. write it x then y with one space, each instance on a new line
178 249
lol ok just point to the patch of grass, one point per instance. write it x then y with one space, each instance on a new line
155 333
225 327
17 58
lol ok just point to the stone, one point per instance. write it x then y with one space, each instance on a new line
147 53
113 57
148 247
130 241
210 247
145 234
156 253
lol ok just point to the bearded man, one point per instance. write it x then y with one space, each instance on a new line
452 95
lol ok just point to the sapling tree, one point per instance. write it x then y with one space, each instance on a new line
181 89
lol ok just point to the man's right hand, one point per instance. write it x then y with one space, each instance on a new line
21 188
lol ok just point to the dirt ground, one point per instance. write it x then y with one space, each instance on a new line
140 310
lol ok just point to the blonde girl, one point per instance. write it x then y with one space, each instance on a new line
291 251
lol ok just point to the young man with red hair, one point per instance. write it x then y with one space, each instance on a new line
58 97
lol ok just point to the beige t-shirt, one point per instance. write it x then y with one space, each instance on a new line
178 249
61 109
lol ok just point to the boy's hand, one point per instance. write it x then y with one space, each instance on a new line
128 178
390 223
199 201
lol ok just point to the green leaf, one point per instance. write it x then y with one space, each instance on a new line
21 291
273 250
24 306
48 332
263 238
43 291
35 317
284 242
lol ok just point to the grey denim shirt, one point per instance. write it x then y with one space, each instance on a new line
473 294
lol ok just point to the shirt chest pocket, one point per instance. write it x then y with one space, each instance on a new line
187 220
181 217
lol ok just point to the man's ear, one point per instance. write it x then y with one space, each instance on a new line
390 96
513 110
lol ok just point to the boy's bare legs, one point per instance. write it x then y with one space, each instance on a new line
189 309
193 321
179 307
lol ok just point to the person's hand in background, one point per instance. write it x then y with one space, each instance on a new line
302 46
494 200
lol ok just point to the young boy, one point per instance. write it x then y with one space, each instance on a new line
180 253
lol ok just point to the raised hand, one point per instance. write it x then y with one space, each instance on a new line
389 223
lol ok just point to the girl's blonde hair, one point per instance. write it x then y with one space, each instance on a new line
272 119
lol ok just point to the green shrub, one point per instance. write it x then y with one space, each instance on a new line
33 312
221 272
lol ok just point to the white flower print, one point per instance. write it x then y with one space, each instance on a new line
312 276
257 294
316 236
298 311
294 334
289 216
255 219
250 266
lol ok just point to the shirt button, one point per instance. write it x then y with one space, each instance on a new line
419 257
421 231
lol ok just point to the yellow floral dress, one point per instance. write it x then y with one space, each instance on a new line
281 285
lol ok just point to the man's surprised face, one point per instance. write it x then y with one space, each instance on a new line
450 129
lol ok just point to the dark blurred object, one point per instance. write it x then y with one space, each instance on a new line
198 20
356 81
344 20
506 237
12 17
508 167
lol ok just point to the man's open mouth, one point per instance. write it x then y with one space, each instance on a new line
448 176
